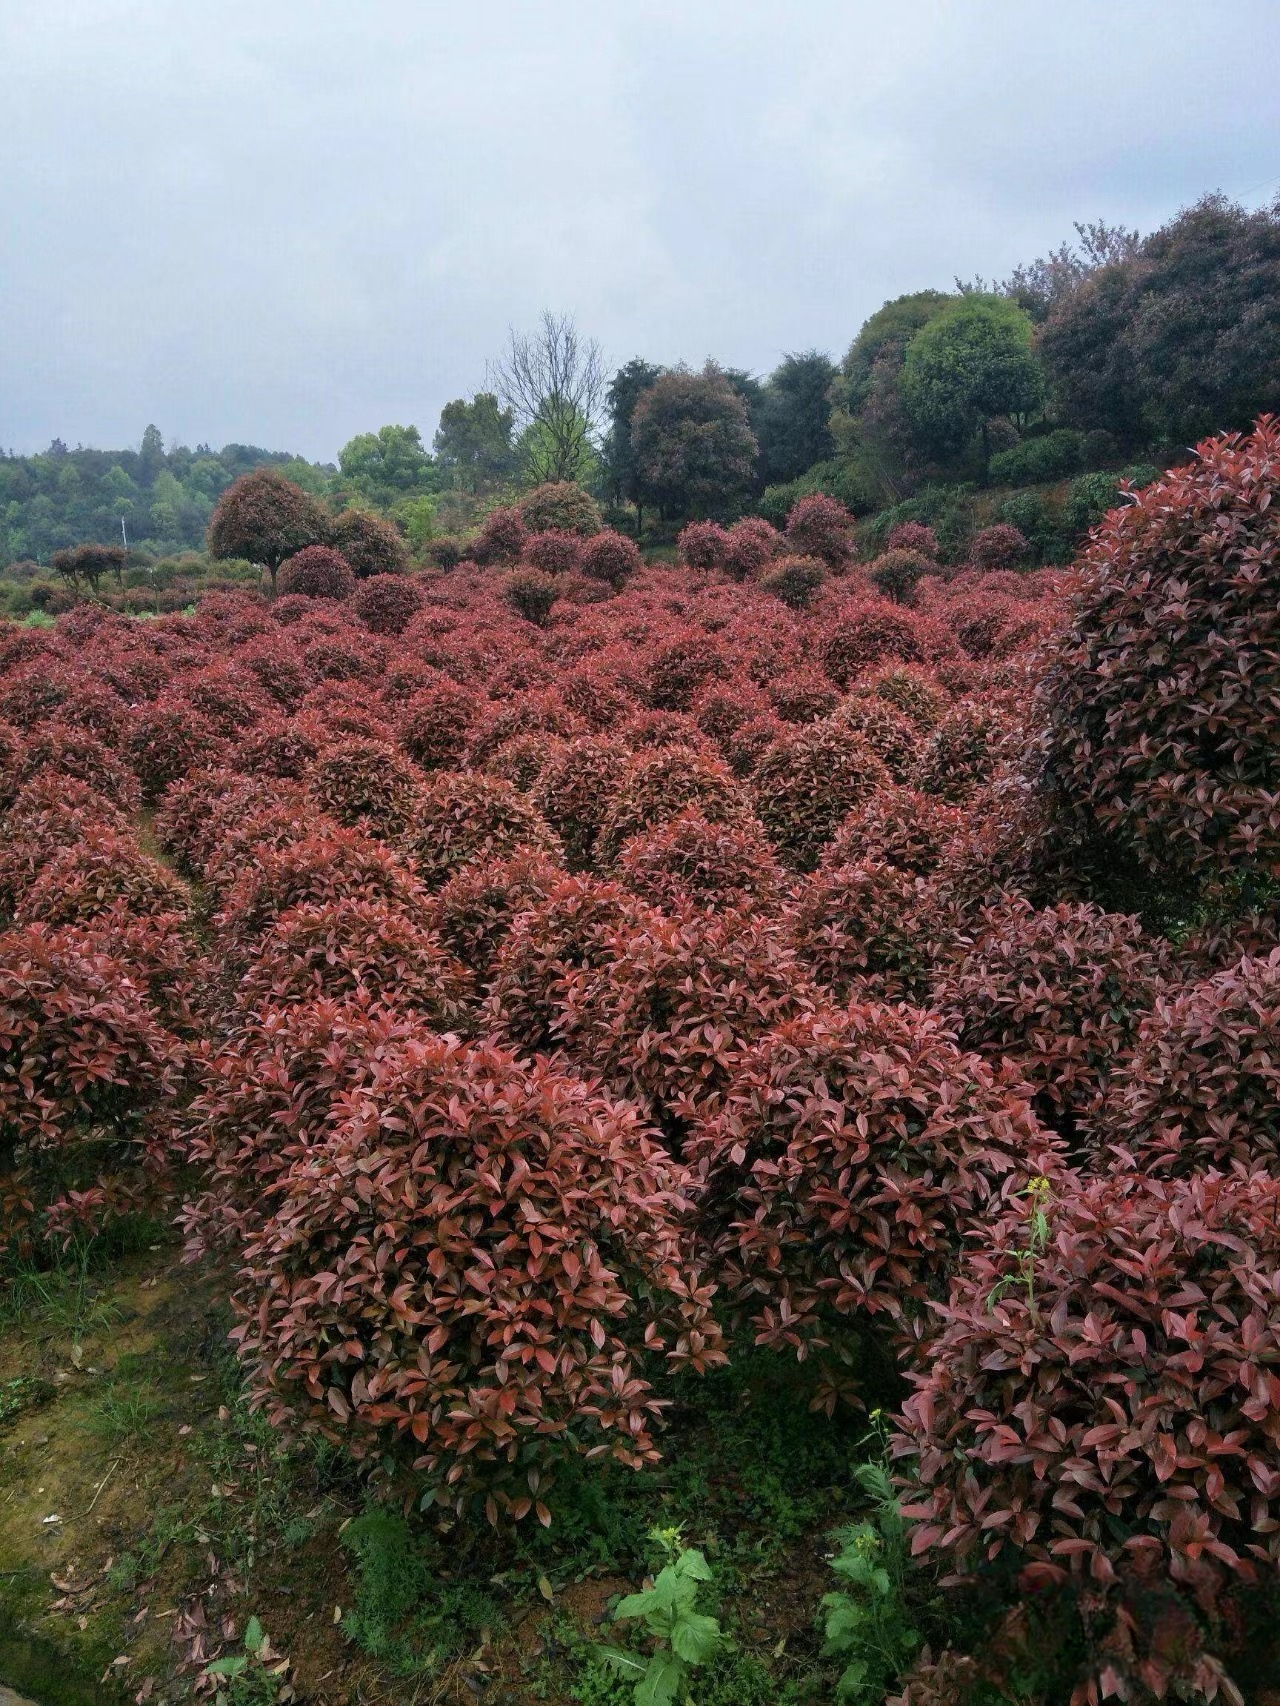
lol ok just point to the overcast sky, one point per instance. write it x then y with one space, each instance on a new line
287 221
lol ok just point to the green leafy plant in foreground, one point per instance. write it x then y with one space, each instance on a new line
684 1637
868 1625
250 1678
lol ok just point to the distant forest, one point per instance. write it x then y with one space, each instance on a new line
1115 350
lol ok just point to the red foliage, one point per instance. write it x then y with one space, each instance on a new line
100 870
327 867
679 669
867 633
317 572
435 726
1147 1431
1058 993
913 536
347 656
818 526
802 695
387 603
964 749
561 504
703 545
998 547
279 668
371 546
228 697
808 782
554 552
168 738
82 1059
611 557
863 930
573 790
285 747
51 812
363 950
657 785
531 594
890 733
905 828
537 1239
751 544
460 819
1201 1087
911 689
687 862
796 581
475 909
60 749
366 783
501 539
1162 725
853 1150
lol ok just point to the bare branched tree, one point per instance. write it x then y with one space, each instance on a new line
553 380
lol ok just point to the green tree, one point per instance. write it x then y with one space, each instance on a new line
553 380
150 455
794 419
387 464
970 362
622 479
473 446
693 444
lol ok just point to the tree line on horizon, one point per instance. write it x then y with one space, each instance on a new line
1112 348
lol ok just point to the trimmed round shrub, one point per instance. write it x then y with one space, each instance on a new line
863 930
610 557
1146 1432
364 950
724 706
554 552
530 593
365 782
657 785
285 747
703 545
979 622
465 818
998 547
387 603
913 536
98 871
802 695
168 739
501 539
796 581
748 743
1059 993
672 1003
268 1097
903 827
60 749
279 669
819 526
161 958
343 657
750 545
911 689
335 710
865 635
1201 1087
853 1150
83 1060
1163 696
687 862
561 505
964 749
51 812
264 517
890 733
807 783
476 908
573 792
317 572
544 713
370 546
328 867
680 669
649 730
522 759
538 1239
896 574
435 726
549 947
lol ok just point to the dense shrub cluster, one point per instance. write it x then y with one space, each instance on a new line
550 967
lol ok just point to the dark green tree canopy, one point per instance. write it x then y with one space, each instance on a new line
473 443
390 463
694 448
970 362
625 389
794 417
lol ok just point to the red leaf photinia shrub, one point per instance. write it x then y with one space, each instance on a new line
1059 993
688 862
890 733
501 539
561 504
853 1149
610 557
168 738
1161 703
1201 1087
387 603
964 749
476 908
555 552
794 581
51 812
1147 1429
317 572
435 726
863 930
801 695
366 782
750 545
495 1292
573 791
657 785
329 866
61 749
913 536
703 545
101 869
807 782
461 818
999 547
905 828
911 689
819 526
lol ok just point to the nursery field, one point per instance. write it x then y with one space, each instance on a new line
578 1130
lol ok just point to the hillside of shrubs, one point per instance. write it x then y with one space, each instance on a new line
556 1001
